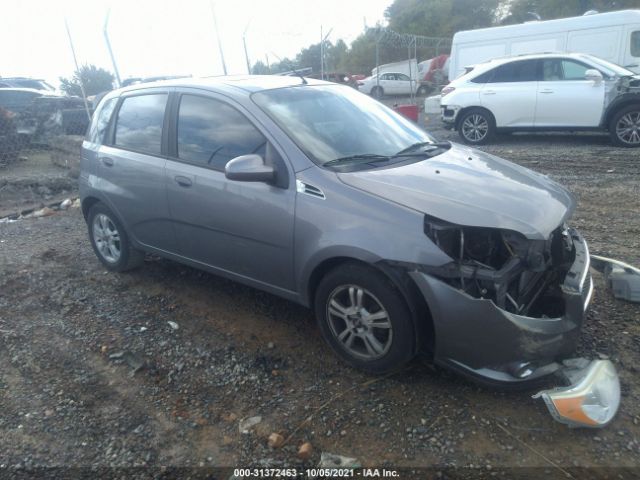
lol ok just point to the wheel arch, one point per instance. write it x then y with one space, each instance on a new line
87 203
464 110
616 107
422 320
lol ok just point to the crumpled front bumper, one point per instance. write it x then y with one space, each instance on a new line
476 338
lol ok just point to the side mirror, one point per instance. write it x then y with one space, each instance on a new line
593 75
249 168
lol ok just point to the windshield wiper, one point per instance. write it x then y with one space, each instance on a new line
415 146
359 158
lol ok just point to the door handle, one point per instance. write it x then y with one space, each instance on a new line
183 181
546 91
107 161
489 92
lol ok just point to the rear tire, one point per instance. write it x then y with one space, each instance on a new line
476 126
110 241
377 92
624 128
365 319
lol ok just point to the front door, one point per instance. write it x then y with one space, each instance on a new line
243 228
565 97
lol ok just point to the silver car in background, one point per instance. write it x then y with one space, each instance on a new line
319 194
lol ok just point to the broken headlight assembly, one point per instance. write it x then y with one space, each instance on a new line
519 275
591 400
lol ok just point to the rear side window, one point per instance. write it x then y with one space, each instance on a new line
635 43
139 123
484 77
101 121
210 132
523 71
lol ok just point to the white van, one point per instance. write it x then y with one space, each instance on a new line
613 36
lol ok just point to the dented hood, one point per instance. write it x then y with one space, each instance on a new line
468 187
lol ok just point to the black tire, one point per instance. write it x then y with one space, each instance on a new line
423 91
128 258
624 127
476 126
377 92
398 341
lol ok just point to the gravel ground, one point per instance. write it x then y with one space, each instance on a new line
92 374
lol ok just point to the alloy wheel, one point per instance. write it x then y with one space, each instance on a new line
628 128
359 321
475 127
106 237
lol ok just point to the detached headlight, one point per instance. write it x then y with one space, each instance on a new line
592 400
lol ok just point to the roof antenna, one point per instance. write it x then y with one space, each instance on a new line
290 65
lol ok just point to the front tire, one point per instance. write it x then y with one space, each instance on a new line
476 127
423 91
624 128
110 241
365 319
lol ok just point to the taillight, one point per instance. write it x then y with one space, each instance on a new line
447 90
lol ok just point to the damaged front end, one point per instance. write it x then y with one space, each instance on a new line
508 309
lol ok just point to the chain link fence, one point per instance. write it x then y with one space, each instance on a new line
41 134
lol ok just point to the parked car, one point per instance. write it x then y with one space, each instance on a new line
25 82
544 92
321 195
390 83
10 144
38 114
613 36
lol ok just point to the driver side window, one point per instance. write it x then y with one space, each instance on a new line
211 132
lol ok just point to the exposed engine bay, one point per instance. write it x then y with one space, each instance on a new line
519 275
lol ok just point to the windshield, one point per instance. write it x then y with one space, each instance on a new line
329 122
610 68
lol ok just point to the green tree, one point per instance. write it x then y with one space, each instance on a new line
95 80
440 18
260 68
522 10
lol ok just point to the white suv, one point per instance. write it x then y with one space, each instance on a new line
545 92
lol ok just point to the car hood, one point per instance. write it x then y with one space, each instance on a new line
468 187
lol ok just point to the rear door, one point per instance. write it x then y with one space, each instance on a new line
565 97
404 84
243 228
510 93
131 168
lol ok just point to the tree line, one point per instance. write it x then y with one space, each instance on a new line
432 18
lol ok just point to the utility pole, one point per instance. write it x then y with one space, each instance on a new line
215 24
322 40
244 43
75 60
106 38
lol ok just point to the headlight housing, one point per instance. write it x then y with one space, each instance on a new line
591 401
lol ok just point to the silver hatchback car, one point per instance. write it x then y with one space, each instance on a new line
319 194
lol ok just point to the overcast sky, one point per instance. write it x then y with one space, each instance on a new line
169 37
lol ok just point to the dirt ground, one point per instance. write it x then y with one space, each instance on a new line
93 375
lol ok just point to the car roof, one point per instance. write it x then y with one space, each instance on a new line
21 89
531 56
248 83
